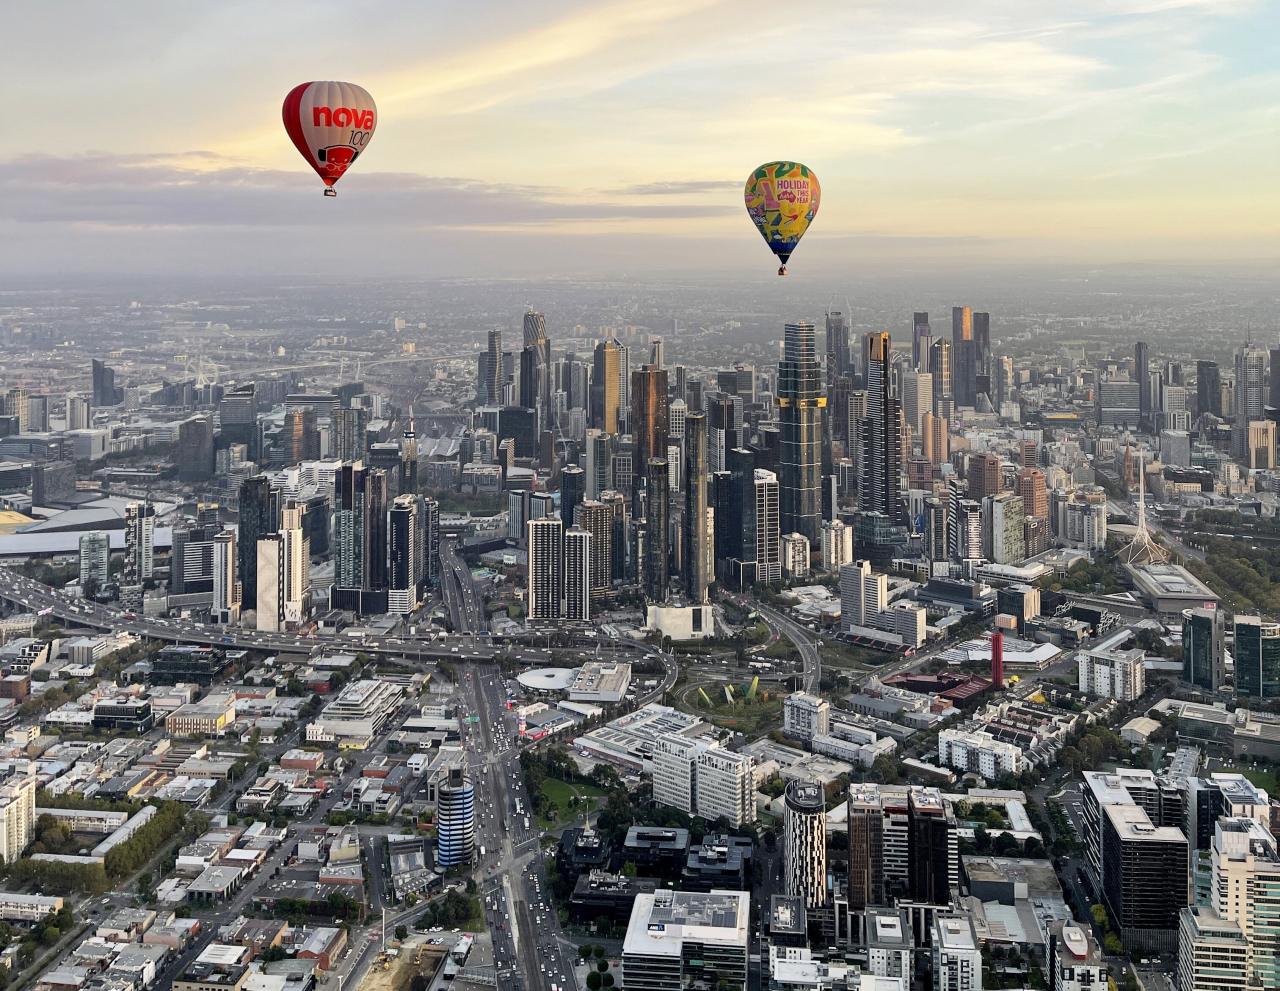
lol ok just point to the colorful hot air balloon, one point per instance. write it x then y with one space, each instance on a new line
782 200
331 124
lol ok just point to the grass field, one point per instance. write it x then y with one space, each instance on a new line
1263 779
561 792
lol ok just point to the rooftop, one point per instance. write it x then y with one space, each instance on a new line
661 921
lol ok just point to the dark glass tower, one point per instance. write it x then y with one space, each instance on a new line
1202 648
256 521
879 483
1209 386
573 485
648 423
535 369
656 571
1142 373
697 537
800 403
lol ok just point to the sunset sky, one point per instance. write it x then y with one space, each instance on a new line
532 137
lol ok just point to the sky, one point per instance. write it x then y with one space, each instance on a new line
572 137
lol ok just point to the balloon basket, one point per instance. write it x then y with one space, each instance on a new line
330 191
782 269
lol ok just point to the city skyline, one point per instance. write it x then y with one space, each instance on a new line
1000 136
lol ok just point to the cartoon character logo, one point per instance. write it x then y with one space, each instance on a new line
335 160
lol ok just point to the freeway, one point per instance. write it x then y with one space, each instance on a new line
459 592
794 632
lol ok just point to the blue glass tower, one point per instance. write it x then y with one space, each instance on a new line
456 820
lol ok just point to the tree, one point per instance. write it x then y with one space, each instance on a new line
402 933
607 980
602 965
584 951
599 952
629 869
593 981
1112 944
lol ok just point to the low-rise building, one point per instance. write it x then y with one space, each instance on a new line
667 924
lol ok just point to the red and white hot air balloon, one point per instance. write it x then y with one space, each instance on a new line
331 124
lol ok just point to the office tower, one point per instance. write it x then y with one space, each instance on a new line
866 846
1003 381
1213 954
599 463
350 433
725 786
964 372
139 540
1202 648
655 352
53 482
541 505
936 529
804 716
934 439
676 413
491 378
95 558
535 369
982 353
517 513
921 341
933 869
597 519
545 538
917 399
724 431
16 405
105 392
300 437
1142 375
195 449
573 486
984 476
77 413
256 521
740 381
455 819
1257 657
699 550
1034 493
805 843
800 403
657 514
839 360
577 574
648 421
404 537
940 362
1246 891
1249 399
880 481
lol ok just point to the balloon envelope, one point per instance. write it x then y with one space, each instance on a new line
331 124
782 200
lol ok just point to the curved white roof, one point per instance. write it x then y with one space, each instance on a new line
548 679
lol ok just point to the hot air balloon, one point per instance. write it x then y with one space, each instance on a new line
782 200
331 124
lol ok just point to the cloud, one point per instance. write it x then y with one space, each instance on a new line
682 187
139 191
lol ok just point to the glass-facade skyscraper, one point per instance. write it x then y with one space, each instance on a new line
456 819
800 401
1257 657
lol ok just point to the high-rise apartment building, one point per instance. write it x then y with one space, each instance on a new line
407 550
656 570
257 519
17 815
879 483
349 428
284 574
360 533
962 348
1113 674
839 358
805 843
866 846
1213 954
1246 891
648 422
195 449
545 538
957 958
578 558
1034 492
597 519
934 439
699 549
837 546
800 402
804 715
1209 388
139 543
1008 540
95 560
456 819
921 341
917 399
604 388
863 595
940 367
764 531
675 761
489 389
725 786
226 582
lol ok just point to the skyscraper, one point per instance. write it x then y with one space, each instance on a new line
1142 375
1209 387
656 573
917 399
1249 399
940 360
360 535
535 369
573 484
597 519
256 521
984 476
284 574
492 377
965 371
577 574
866 846
838 356
1203 654
226 584
648 422
431 541
406 547
350 433
764 532
982 354
921 341
800 403
699 554
105 392
546 568
456 819
300 436
95 557
879 483
139 542
195 449
805 843
604 388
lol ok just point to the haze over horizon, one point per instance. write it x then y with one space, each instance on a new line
543 139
